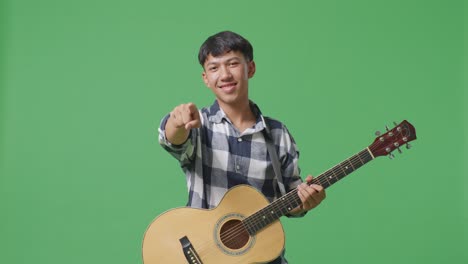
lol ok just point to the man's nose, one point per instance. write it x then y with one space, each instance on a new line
225 73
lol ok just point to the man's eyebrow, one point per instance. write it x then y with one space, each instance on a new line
233 58
223 61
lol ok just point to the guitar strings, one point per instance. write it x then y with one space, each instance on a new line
232 235
234 232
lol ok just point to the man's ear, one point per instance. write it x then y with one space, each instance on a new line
251 69
205 79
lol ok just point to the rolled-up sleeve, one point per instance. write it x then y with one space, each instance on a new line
184 152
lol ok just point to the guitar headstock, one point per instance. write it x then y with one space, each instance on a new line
393 139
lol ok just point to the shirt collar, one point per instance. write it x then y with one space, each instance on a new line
216 115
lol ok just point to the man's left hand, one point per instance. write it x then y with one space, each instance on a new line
311 195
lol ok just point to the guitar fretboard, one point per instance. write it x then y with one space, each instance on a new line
291 200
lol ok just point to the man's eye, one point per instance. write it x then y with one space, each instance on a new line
233 64
213 68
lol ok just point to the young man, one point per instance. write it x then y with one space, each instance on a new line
224 145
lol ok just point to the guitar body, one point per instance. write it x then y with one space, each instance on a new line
211 233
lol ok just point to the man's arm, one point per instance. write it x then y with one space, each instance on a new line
183 118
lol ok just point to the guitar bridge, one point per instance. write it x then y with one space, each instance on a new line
189 252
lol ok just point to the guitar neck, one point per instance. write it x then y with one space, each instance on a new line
343 169
291 200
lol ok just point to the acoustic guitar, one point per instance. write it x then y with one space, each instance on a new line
245 227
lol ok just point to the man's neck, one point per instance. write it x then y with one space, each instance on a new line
241 116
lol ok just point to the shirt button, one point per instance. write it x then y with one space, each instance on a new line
239 139
238 167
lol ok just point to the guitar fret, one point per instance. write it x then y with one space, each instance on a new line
348 169
283 206
336 172
359 157
321 181
341 167
326 179
289 204
331 177
350 163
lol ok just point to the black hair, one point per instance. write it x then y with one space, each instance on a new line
223 42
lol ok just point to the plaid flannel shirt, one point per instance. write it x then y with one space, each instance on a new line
217 157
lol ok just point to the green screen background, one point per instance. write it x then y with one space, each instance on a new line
84 85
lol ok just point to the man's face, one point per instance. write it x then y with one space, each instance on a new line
228 77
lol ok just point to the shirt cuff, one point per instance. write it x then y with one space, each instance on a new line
163 139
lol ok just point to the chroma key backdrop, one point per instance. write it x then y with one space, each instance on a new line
84 85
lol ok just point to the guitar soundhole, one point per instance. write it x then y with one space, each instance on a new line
233 234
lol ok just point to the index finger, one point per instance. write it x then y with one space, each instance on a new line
192 108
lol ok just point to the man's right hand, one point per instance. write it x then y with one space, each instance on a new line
186 115
183 118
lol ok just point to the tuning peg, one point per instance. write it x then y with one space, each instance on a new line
395 123
386 127
391 156
408 146
378 133
399 150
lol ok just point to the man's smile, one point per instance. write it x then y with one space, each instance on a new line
228 87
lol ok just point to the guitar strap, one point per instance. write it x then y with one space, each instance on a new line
274 158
